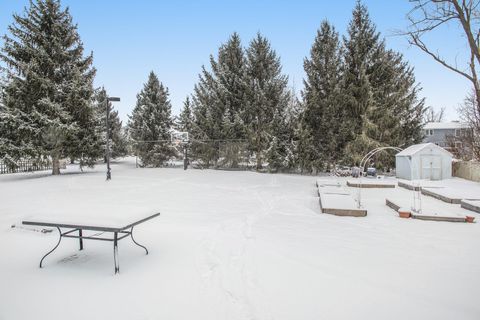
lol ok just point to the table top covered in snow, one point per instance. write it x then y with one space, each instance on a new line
111 223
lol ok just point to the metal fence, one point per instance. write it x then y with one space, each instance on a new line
24 165
218 154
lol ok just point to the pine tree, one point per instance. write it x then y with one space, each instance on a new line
117 134
380 94
229 72
294 112
323 112
219 102
278 147
203 126
304 148
48 97
151 122
397 117
361 47
267 96
185 119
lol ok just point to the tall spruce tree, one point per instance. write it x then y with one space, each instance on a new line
151 122
185 118
203 129
323 114
361 45
48 97
379 93
295 110
219 102
278 151
117 134
268 98
229 72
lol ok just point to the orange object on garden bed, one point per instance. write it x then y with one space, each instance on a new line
404 213
469 219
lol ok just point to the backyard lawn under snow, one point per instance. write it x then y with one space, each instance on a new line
229 245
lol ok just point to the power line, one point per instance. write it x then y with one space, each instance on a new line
194 140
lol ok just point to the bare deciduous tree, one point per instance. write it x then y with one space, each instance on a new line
434 116
430 15
470 114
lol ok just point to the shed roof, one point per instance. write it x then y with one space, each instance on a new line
413 149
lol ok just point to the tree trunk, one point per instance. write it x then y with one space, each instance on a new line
259 161
55 165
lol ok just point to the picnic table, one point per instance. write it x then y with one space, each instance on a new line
119 227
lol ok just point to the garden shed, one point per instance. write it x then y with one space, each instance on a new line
424 161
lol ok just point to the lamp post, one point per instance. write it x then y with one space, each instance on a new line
107 147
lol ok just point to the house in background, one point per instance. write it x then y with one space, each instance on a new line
445 134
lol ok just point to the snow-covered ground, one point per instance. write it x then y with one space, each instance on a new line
229 245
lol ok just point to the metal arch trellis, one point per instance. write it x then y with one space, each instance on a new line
364 161
371 153
416 189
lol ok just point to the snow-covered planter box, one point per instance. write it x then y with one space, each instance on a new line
371 183
340 205
472 205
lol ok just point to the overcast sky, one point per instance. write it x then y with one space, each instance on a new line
175 38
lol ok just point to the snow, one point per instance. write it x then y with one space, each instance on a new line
471 204
445 125
108 219
453 193
374 181
413 149
337 201
327 183
333 190
429 206
460 187
230 245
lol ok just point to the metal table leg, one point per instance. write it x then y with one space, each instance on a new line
80 238
59 239
115 253
131 235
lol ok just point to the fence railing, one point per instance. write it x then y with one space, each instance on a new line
26 165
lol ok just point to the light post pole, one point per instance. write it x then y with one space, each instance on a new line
107 147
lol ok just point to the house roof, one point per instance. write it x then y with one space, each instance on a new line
413 149
445 125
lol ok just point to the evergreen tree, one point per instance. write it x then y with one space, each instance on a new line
185 119
294 112
323 114
219 101
361 49
203 125
151 122
278 146
380 95
268 97
229 72
48 97
305 147
117 134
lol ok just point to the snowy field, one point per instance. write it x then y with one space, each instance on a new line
229 245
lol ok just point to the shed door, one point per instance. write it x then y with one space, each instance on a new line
431 167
